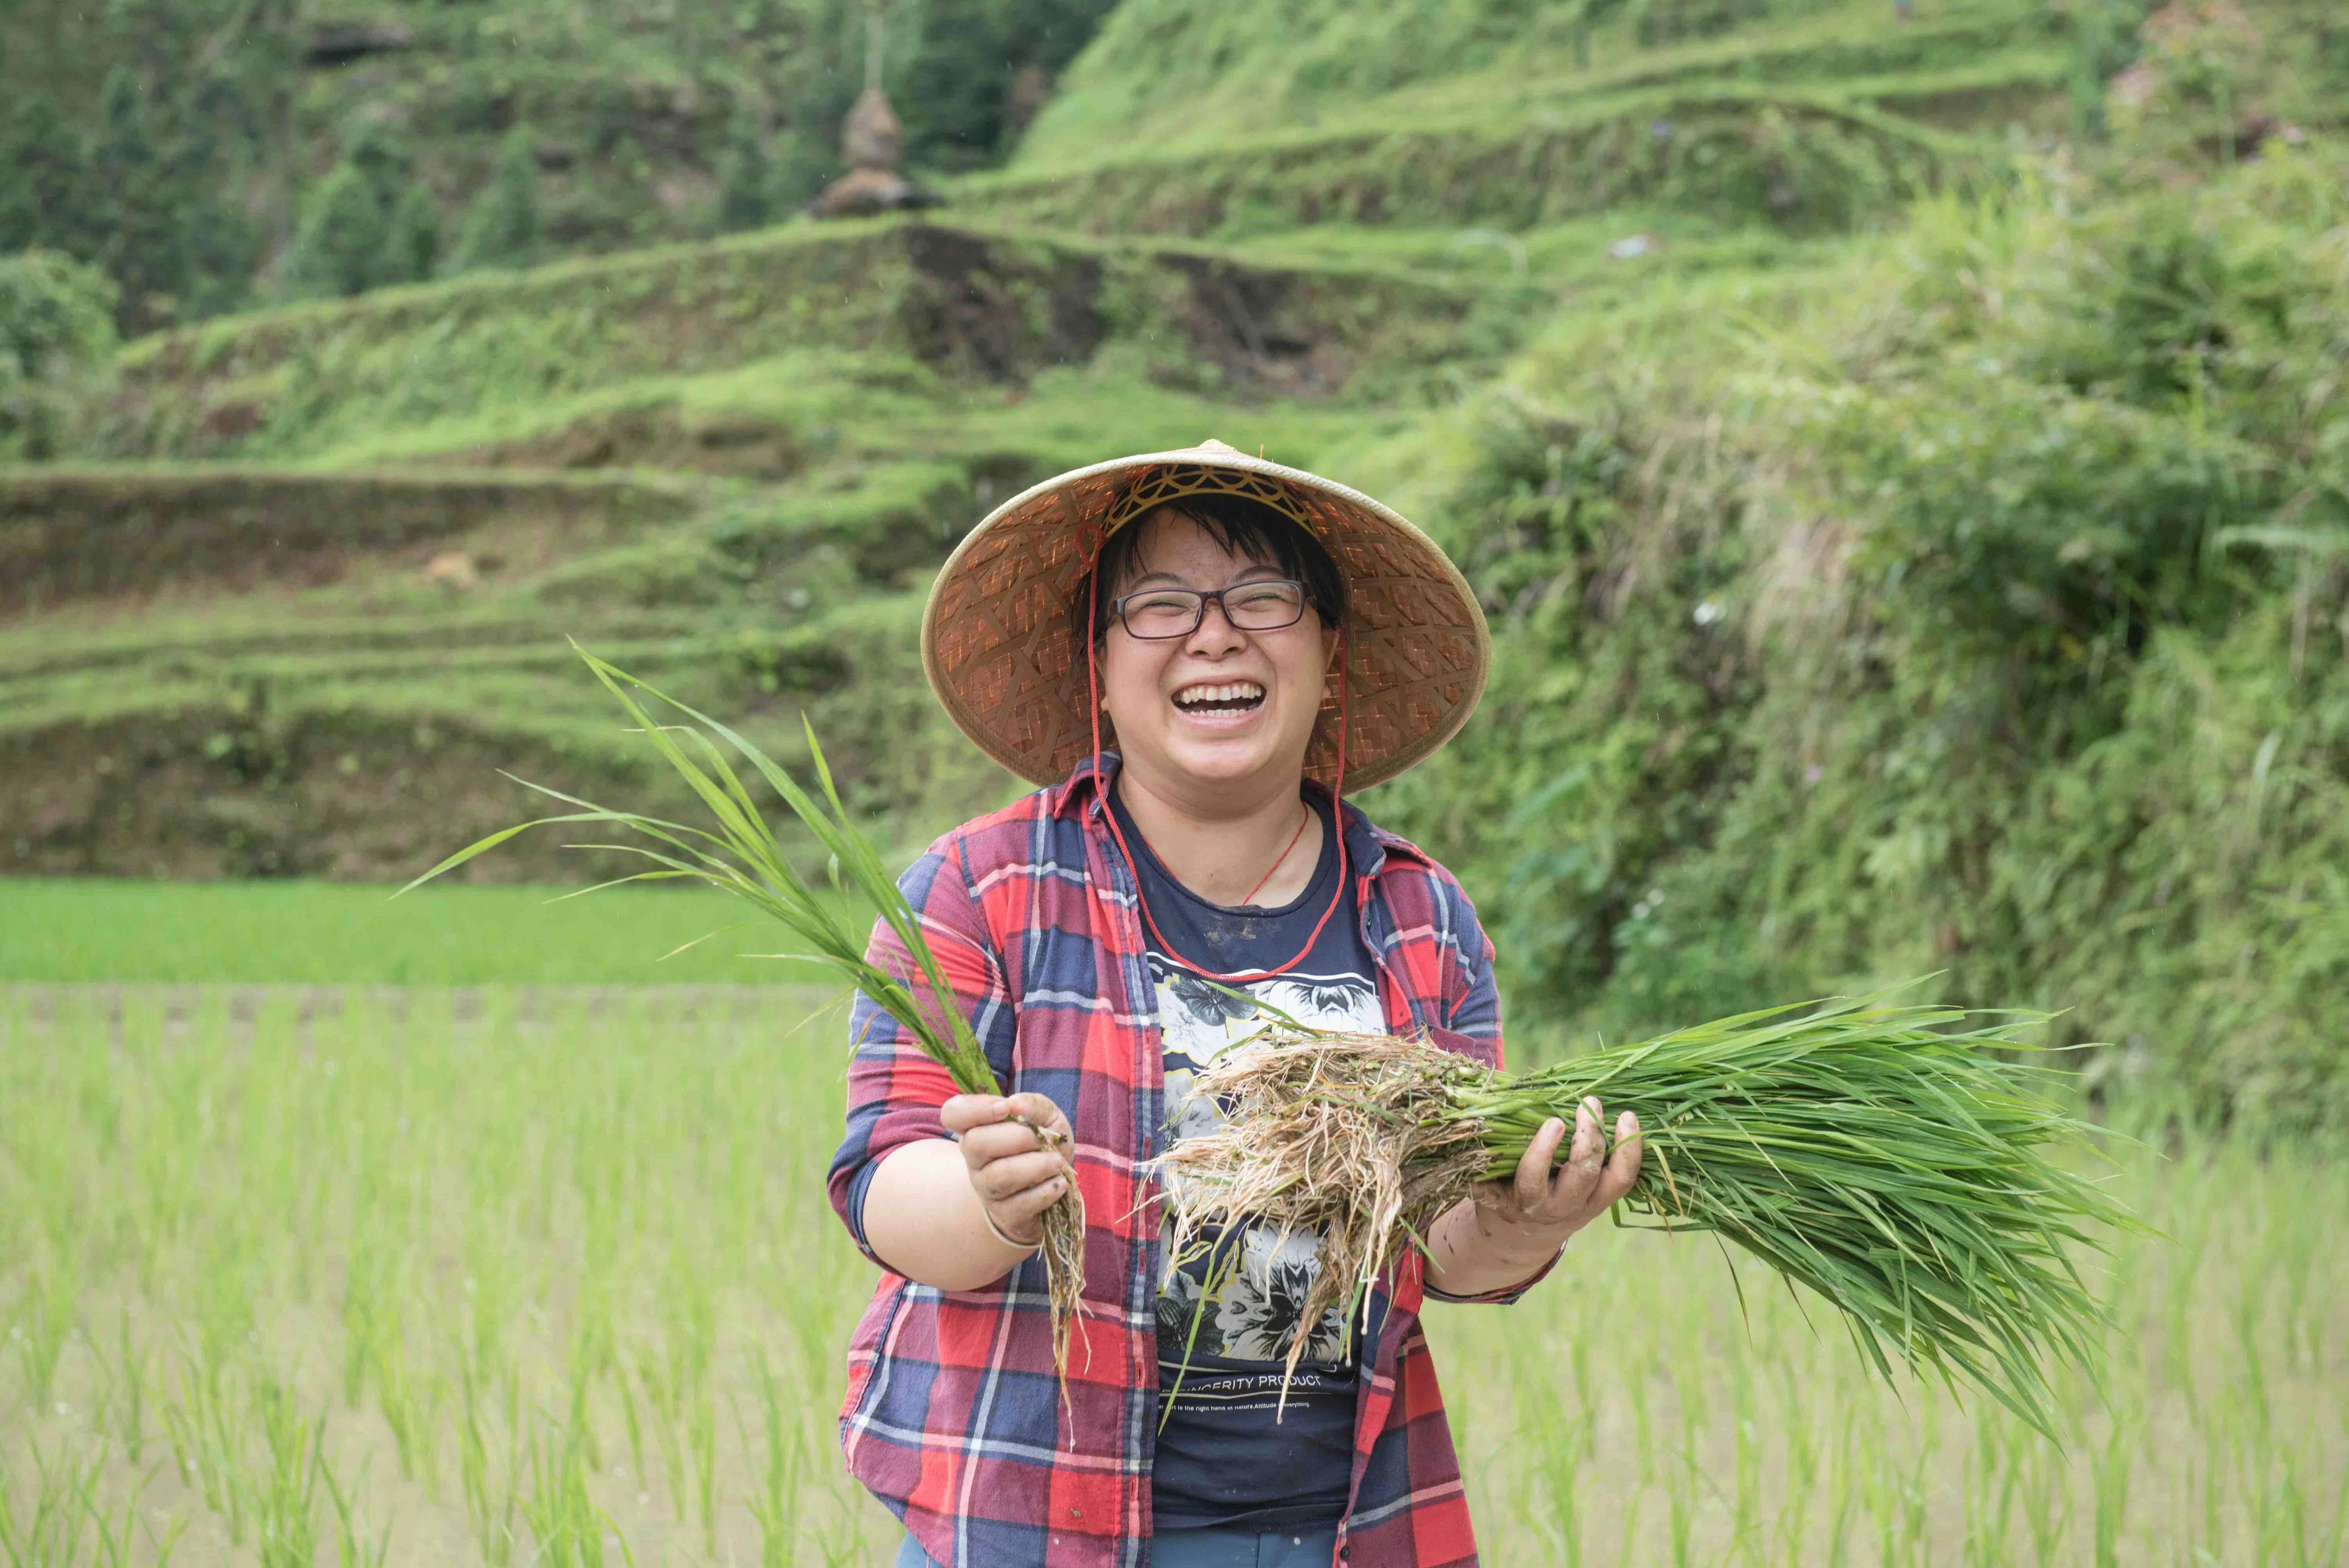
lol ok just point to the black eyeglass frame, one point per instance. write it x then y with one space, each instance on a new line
1199 618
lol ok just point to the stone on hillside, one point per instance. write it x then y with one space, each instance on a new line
453 570
2136 87
867 193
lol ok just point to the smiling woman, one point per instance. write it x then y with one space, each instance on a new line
1195 653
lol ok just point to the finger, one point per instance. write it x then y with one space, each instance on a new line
1572 1190
1002 1178
997 1140
1623 1165
1041 1110
1017 1212
965 1112
1533 1171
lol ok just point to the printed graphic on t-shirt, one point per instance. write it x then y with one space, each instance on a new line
1262 1277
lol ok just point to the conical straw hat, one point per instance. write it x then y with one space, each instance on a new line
1003 655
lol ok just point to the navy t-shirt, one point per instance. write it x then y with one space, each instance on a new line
1222 1457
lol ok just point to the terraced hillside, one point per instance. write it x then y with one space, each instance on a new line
311 578
1804 124
321 588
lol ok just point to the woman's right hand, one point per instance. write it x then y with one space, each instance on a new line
1017 1177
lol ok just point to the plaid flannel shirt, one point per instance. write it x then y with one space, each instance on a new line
954 1417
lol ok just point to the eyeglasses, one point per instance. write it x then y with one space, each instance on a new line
1265 605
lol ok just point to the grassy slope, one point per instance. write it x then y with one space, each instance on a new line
1920 615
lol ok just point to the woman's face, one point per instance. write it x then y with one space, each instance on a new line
1222 715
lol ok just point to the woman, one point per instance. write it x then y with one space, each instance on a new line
1197 652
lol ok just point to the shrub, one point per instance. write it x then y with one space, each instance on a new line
56 335
412 254
342 245
502 227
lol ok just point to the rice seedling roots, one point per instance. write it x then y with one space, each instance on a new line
1064 1243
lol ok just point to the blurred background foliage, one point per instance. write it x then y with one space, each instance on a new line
212 154
1979 606
1903 460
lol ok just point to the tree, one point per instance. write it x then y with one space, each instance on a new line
413 254
501 228
383 156
746 198
46 198
342 247
134 202
56 333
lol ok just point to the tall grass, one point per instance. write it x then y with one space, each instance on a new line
195 1185
316 933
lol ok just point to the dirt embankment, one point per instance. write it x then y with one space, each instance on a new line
75 535
225 791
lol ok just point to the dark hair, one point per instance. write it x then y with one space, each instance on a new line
1242 527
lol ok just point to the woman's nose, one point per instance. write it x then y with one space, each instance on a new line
1215 628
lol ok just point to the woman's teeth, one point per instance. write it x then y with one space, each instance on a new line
1228 697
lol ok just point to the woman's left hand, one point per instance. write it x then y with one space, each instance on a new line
1530 1216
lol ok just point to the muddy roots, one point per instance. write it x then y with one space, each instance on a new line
1354 1137
1064 1249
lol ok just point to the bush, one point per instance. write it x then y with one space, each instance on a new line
746 184
501 228
57 336
342 245
412 254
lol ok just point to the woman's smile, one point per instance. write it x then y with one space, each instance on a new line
1220 705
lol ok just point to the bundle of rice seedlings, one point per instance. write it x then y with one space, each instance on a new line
739 855
1899 1169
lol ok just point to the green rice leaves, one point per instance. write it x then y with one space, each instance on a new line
1890 1161
739 855
1881 1155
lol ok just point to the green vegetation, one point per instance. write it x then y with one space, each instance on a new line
1976 605
502 227
1913 537
174 143
510 1277
56 338
81 931
1878 1153
729 845
1903 479
1902 462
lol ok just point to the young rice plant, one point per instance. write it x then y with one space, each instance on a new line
740 856
1903 1172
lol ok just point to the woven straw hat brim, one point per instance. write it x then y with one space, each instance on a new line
1004 657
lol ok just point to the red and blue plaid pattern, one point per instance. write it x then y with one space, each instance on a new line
954 1417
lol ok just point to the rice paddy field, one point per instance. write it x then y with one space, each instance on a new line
315 1268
